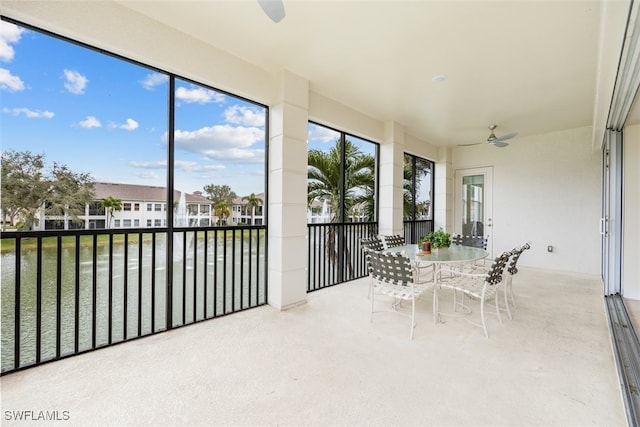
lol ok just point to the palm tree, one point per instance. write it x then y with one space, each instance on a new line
253 202
411 189
324 183
407 190
111 204
324 178
221 210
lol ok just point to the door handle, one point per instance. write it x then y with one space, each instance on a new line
603 226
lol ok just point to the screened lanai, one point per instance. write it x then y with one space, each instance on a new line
378 77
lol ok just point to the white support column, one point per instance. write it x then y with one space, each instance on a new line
391 177
443 197
288 194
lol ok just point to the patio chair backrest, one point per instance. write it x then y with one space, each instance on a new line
393 240
494 275
371 243
472 241
513 264
392 268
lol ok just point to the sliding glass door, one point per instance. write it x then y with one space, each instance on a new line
611 220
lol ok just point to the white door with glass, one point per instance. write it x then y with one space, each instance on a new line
474 203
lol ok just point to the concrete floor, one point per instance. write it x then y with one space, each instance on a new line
325 364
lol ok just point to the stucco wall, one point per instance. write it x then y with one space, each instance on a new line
547 187
546 190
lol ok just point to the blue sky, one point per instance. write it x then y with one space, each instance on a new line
108 117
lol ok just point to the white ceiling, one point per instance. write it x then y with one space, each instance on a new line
527 66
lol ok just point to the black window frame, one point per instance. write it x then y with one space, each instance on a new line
343 136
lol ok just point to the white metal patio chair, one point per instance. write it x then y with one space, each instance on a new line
394 276
483 285
392 241
424 270
512 270
371 244
472 241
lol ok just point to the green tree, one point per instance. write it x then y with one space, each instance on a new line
221 210
324 183
222 197
27 187
111 204
407 189
68 193
324 178
220 193
23 186
253 202
422 172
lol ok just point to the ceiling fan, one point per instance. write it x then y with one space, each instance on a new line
496 141
273 8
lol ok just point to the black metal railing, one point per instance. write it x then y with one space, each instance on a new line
334 252
414 230
68 292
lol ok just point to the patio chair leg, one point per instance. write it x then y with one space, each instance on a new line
457 304
506 300
513 299
498 306
413 317
484 324
436 309
372 297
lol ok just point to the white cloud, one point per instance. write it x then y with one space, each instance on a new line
323 134
218 136
244 116
154 79
160 164
10 82
183 165
147 175
237 154
223 142
90 122
191 166
9 33
199 95
30 114
129 125
76 83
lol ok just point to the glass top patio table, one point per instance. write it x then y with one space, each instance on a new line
437 257
454 253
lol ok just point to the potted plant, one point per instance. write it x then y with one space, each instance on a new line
438 239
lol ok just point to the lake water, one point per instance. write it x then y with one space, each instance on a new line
231 277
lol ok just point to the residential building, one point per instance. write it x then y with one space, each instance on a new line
241 214
143 206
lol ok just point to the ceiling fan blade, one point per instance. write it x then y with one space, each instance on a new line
469 145
507 136
498 143
273 8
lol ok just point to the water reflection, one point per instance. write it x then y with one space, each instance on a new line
120 290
